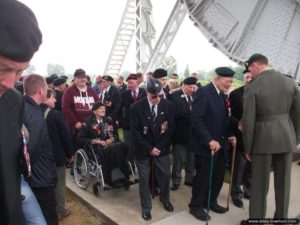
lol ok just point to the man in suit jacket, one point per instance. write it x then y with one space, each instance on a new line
17 47
120 84
59 87
182 157
242 167
111 98
162 75
152 124
271 131
209 133
128 97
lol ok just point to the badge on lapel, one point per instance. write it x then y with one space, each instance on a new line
145 131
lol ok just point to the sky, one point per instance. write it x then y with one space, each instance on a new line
80 34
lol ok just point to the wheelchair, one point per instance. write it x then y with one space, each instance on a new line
86 165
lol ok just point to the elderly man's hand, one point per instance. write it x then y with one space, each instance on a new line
214 145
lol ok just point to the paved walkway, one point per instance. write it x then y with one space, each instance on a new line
122 207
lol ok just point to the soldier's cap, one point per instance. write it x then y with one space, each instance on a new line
49 80
79 73
154 86
158 73
108 78
254 58
59 81
64 77
20 36
224 72
132 76
190 80
97 105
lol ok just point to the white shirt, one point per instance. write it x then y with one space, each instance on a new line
150 105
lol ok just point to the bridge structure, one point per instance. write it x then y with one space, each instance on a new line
237 28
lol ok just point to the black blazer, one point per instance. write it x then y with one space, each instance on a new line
122 88
58 97
124 111
112 100
182 115
60 136
236 104
209 121
145 136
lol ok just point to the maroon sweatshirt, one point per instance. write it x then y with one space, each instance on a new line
76 105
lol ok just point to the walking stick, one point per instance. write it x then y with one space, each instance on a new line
231 174
210 181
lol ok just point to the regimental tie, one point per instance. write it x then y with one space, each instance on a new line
189 101
134 95
101 96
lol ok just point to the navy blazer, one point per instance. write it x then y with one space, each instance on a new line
145 135
209 121
112 100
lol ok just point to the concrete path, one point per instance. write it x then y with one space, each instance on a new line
121 206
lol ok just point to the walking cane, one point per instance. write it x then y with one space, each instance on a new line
231 174
210 181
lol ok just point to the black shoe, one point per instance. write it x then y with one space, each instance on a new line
199 214
188 184
247 195
238 202
175 187
217 208
146 215
168 206
244 222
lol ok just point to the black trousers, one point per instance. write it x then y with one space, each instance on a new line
46 199
201 180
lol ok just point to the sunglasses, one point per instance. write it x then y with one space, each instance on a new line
98 82
156 96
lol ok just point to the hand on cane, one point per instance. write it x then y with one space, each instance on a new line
214 146
232 140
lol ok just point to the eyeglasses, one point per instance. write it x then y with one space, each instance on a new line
156 96
99 82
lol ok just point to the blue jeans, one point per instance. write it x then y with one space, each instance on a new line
31 208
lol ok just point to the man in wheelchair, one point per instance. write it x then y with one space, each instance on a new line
101 133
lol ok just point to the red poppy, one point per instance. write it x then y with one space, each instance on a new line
227 102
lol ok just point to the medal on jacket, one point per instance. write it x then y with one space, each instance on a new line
145 130
26 155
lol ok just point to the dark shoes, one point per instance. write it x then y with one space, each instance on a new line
190 184
168 206
247 195
244 222
217 208
199 214
175 187
146 215
238 202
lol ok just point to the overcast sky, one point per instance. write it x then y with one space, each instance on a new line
80 34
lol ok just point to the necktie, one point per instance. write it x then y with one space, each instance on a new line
153 112
101 96
190 101
134 95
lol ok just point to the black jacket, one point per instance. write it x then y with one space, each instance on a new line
112 100
11 119
58 97
182 113
145 136
39 147
209 121
124 111
60 136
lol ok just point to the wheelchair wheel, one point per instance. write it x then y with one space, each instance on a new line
81 169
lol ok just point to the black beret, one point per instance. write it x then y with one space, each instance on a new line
224 72
190 80
97 105
54 76
64 77
255 57
154 86
158 73
132 77
79 72
59 81
20 36
108 78
246 70
49 80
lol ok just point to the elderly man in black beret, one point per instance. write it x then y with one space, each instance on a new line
209 133
20 38
182 100
152 124
162 75
59 87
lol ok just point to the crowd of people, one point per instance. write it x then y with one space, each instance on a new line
44 121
